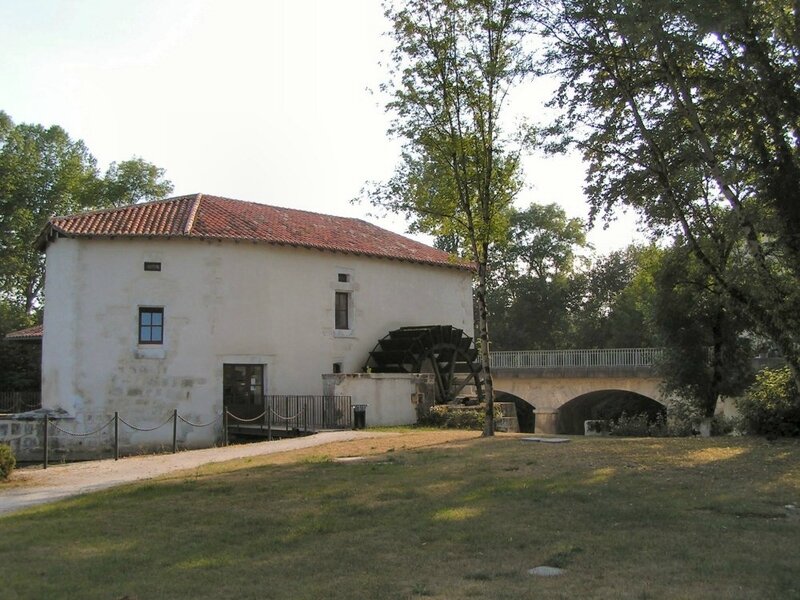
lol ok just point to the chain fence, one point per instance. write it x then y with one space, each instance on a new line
49 423
310 413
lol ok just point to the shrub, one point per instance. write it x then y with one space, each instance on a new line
448 417
458 417
639 425
7 461
678 423
771 406
683 416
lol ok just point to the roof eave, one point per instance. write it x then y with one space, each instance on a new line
45 237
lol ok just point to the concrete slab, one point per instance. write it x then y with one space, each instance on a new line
545 571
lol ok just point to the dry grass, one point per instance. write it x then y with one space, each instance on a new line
419 518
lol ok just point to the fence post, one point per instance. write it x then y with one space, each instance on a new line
174 430
45 423
225 428
116 435
269 424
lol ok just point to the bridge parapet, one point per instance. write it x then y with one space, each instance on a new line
591 359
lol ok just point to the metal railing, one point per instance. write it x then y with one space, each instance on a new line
17 402
548 359
292 412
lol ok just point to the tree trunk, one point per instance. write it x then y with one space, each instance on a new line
483 332
716 366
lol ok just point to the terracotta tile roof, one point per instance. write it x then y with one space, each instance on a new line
28 334
211 217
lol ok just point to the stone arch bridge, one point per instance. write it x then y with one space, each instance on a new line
568 385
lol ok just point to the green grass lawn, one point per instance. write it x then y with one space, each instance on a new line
643 518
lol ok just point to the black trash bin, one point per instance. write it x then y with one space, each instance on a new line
359 416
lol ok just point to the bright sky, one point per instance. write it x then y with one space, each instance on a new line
260 100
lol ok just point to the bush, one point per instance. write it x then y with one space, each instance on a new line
639 425
676 424
7 461
458 417
771 406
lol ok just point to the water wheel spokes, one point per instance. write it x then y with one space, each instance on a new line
445 351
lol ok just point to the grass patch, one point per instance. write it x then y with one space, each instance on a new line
646 518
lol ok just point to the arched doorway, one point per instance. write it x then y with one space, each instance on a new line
525 415
605 405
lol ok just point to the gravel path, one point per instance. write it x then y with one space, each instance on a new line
38 486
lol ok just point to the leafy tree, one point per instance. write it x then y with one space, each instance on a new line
707 353
771 405
619 292
690 113
535 287
133 181
44 172
453 64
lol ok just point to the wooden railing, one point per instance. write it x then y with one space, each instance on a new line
548 359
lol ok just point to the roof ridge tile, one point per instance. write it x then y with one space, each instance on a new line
192 214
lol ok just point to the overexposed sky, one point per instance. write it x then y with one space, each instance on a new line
261 100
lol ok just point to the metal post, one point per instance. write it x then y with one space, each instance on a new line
269 424
116 435
45 423
225 429
174 430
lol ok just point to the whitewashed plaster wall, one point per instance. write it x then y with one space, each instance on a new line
224 302
390 398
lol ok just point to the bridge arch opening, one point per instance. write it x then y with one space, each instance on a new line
525 415
605 405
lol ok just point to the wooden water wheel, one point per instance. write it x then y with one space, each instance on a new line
443 350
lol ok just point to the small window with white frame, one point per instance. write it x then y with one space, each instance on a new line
151 325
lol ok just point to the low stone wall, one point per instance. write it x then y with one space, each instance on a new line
26 438
390 398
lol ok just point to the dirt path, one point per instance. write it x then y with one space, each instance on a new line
32 486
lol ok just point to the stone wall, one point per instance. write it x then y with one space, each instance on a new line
390 398
26 437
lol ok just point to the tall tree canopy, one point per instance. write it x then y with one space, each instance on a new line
453 64
618 294
133 181
707 353
535 287
690 112
44 172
